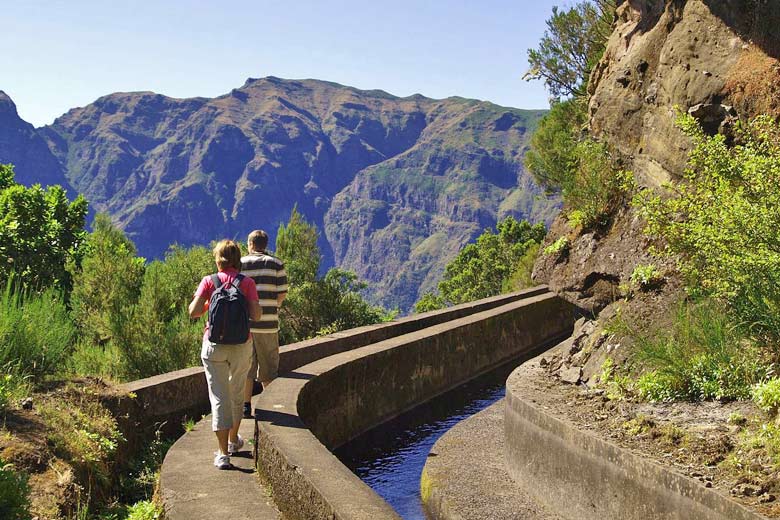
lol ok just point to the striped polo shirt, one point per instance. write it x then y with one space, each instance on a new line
268 273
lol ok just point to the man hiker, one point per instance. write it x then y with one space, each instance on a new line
268 273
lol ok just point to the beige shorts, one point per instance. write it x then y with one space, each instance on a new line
265 361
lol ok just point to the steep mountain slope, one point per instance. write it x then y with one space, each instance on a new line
716 60
21 146
397 185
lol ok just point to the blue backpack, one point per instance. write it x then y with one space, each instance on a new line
228 314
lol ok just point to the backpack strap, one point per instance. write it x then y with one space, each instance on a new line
237 281
216 281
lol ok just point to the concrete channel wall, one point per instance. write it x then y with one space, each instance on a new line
162 402
580 476
326 403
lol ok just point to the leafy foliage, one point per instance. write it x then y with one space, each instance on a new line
14 501
328 305
156 336
562 157
573 43
429 302
766 395
721 223
133 315
144 510
495 263
645 276
40 231
559 246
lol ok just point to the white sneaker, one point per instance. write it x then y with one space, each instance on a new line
222 461
235 447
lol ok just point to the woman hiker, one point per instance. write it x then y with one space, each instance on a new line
227 345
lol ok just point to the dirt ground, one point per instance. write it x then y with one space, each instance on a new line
26 442
700 440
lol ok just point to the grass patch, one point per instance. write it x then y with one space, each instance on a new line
702 356
85 434
36 332
13 387
14 501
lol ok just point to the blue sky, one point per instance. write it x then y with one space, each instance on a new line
56 55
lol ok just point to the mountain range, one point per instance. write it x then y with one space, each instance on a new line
396 185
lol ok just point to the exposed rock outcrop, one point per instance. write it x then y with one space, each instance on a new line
21 146
716 60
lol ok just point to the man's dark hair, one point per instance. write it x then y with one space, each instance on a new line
257 240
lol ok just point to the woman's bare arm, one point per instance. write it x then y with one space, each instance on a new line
197 307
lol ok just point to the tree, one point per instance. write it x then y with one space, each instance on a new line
108 282
551 157
40 232
296 245
571 46
316 306
495 263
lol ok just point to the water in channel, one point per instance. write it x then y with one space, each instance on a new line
390 458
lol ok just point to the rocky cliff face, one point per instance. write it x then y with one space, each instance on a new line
396 185
23 147
718 60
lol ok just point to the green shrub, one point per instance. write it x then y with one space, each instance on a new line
14 490
13 387
561 245
759 445
702 356
108 282
737 418
144 510
520 276
655 387
721 223
766 395
326 305
429 302
645 276
83 432
36 332
617 386
142 476
563 159
143 329
596 187
497 262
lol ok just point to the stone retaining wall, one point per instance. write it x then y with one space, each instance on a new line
580 476
163 402
326 403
